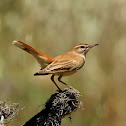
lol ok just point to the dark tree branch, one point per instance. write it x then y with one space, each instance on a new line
56 107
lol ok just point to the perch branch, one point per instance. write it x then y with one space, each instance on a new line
57 106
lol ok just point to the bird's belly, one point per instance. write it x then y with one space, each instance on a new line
65 73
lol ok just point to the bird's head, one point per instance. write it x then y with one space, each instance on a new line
82 48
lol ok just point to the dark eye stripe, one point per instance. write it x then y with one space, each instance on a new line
82 46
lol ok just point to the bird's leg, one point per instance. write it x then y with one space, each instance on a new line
52 78
59 79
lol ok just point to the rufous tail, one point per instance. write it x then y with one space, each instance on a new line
42 58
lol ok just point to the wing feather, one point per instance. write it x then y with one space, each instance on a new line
60 66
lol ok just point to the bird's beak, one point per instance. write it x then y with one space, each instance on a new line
89 47
93 45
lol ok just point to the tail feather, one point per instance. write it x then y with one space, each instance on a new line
42 58
25 47
37 74
28 48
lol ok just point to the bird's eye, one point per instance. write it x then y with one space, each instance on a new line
82 46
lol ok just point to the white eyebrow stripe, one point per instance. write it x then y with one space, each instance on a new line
79 46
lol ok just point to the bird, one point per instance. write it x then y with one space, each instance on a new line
61 65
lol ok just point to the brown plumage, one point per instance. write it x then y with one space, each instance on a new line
43 59
62 65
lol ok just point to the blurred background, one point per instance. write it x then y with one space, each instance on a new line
53 27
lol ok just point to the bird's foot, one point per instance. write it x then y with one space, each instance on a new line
70 87
59 90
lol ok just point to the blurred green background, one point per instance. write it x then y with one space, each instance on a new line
53 27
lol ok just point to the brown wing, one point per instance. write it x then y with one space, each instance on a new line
42 58
59 66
